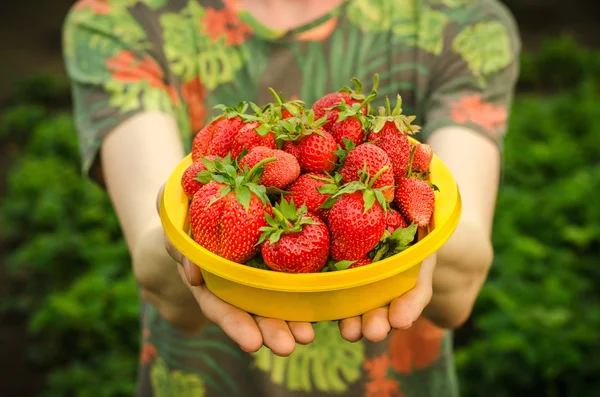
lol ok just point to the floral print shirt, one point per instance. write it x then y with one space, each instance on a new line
454 62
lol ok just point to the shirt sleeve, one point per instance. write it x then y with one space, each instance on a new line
474 77
114 70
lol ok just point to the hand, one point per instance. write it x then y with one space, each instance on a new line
248 331
400 314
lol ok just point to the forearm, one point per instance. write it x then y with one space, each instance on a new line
464 261
137 158
461 270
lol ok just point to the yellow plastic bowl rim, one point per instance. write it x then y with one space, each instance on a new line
173 212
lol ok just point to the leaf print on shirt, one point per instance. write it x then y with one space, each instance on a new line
329 364
485 47
431 30
167 383
416 347
371 15
192 51
472 109
452 3
95 24
379 384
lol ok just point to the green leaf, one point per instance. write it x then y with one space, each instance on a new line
243 196
369 199
263 130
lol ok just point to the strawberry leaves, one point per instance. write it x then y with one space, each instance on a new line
364 184
288 219
242 182
401 121
392 244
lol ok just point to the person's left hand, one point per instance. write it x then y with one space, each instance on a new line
400 314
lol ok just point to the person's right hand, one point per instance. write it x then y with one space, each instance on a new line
250 332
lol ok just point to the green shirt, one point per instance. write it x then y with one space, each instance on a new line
454 62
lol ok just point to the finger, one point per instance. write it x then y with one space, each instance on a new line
351 329
303 332
276 335
405 310
192 273
376 325
236 323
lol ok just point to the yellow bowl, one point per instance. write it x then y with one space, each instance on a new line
316 296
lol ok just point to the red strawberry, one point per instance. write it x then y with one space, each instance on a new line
257 132
423 153
217 137
249 137
351 122
278 174
416 200
372 159
226 217
361 262
355 229
323 107
356 219
390 133
305 139
294 241
189 181
395 220
306 191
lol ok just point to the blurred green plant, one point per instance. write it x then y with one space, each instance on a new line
535 323
68 264
533 330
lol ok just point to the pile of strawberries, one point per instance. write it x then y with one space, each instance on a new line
296 189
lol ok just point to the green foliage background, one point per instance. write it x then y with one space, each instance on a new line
533 330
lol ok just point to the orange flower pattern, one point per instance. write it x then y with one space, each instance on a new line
225 23
99 7
127 68
194 94
379 384
472 109
415 348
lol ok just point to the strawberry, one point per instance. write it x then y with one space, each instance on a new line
356 219
324 106
217 137
394 221
295 241
305 139
189 179
310 190
369 158
278 174
390 133
226 216
351 123
416 200
258 131
423 153
361 262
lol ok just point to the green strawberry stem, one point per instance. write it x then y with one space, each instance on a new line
410 161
